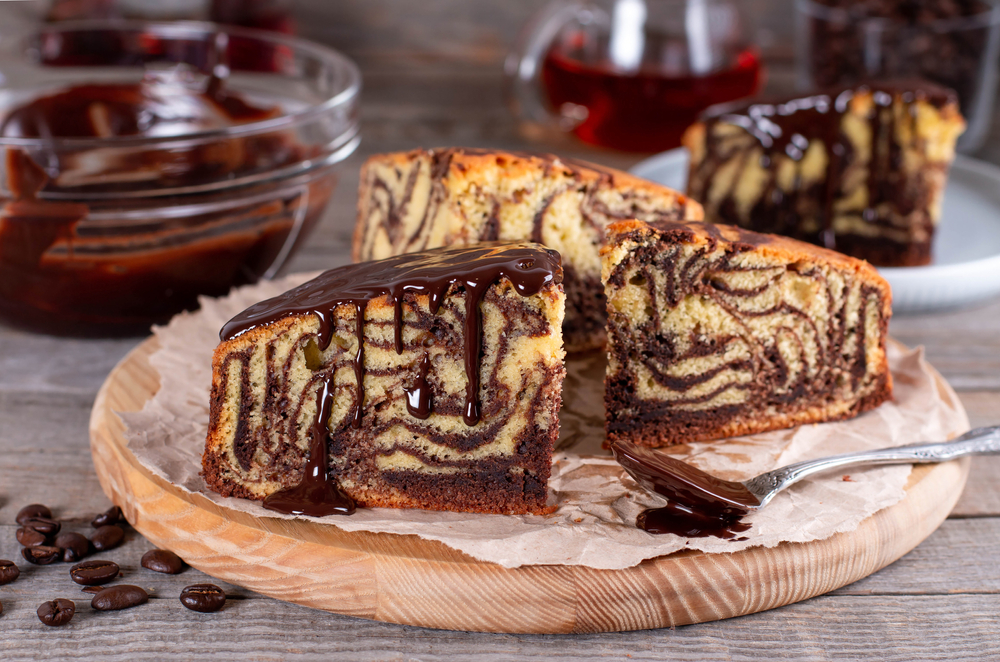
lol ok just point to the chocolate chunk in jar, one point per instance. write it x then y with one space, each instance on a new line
112 515
205 598
122 596
107 537
41 555
33 510
56 612
8 571
30 538
74 545
93 573
44 525
162 560
911 41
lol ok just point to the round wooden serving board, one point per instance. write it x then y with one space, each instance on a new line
404 579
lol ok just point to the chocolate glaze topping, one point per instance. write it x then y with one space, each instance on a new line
476 268
788 127
698 504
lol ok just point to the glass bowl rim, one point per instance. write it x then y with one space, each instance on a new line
342 98
988 17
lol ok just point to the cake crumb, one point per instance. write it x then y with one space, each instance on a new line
847 478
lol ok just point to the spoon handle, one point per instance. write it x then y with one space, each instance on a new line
980 441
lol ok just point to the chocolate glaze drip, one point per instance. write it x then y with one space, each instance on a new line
418 397
698 504
788 128
316 495
528 267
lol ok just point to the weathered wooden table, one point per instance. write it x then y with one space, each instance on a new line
939 602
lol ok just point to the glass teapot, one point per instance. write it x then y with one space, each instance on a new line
630 74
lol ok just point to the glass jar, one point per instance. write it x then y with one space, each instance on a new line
955 43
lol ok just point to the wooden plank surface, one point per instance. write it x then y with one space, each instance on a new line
432 77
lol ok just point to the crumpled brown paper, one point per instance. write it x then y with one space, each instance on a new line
597 502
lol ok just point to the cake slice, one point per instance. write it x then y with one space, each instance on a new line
429 380
858 170
715 331
412 201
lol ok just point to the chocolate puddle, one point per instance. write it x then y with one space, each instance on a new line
698 504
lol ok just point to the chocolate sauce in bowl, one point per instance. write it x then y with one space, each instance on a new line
698 504
528 267
62 273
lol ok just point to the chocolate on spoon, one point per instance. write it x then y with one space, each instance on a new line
699 504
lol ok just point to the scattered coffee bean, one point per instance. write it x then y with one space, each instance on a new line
107 537
34 510
92 573
44 525
203 597
161 560
41 555
73 544
30 538
122 596
56 612
93 590
112 515
8 571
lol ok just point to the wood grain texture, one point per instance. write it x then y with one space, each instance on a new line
403 579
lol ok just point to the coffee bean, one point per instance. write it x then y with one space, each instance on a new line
161 560
93 590
8 571
44 525
92 573
107 537
34 510
203 597
112 515
73 544
56 612
117 597
41 555
30 538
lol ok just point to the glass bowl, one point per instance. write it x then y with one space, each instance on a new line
955 44
235 162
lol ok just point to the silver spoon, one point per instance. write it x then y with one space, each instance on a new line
690 488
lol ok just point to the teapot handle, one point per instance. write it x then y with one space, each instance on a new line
523 66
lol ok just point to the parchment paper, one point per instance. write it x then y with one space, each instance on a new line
596 501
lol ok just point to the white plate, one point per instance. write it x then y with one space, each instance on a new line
966 266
